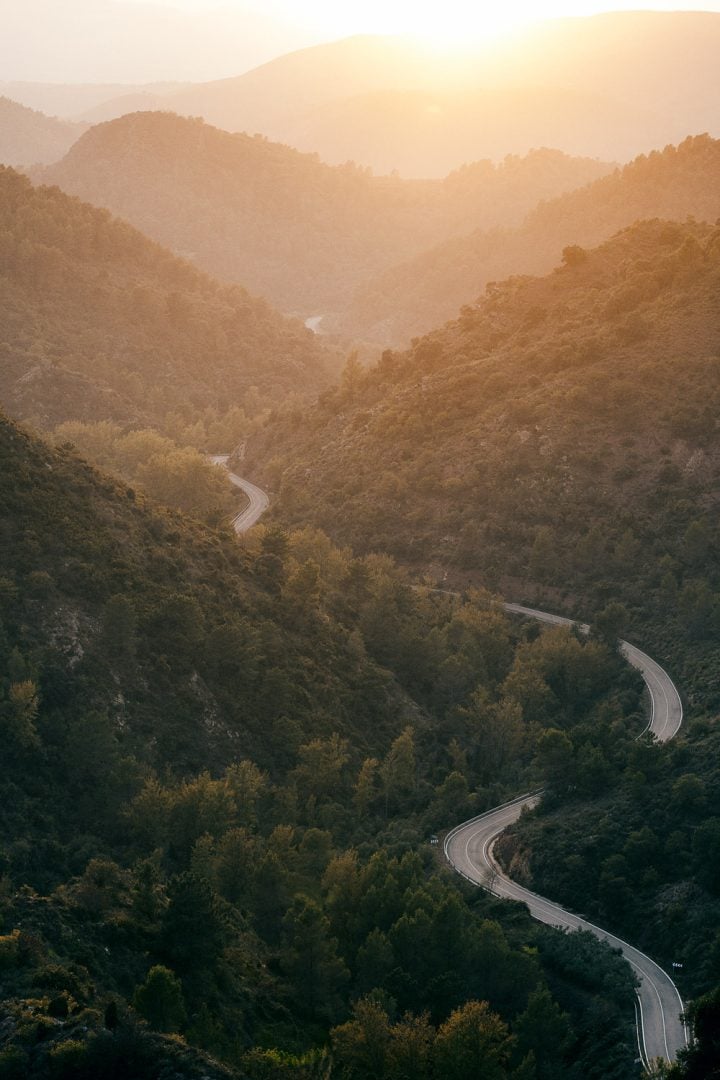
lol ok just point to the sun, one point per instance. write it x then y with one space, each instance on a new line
456 24
443 23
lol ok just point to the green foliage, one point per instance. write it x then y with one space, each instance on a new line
472 1042
159 1000
230 782
178 477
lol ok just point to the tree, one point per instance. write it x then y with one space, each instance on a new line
544 1030
186 481
192 933
452 799
701 1061
411 1048
495 733
247 784
159 1000
310 957
375 961
556 758
351 377
366 786
474 1042
574 255
398 770
320 771
610 623
233 865
18 716
362 1044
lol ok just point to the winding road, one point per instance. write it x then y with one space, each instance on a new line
469 847
259 500
469 850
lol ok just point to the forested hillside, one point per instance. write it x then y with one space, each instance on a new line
99 323
558 440
222 765
410 299
30 138
283 224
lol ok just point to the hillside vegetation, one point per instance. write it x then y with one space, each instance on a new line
559 442
221 764
561 433
415 297
99 323
283 224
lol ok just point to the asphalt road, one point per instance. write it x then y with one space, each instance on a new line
258 504
469 849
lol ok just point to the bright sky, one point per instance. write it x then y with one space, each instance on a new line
134 41
443 20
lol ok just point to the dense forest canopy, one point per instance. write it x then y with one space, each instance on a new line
545 442
223 765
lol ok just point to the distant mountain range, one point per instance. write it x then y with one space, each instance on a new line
418 295
608 86
285 225
28 137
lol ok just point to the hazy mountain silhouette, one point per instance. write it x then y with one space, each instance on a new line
101 323
612 86
28 137
72 101
284 224
412 298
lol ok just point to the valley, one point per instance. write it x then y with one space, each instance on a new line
452 307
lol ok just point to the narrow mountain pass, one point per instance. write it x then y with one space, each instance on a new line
469 846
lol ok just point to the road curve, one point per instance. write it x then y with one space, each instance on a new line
666 711
469 846
259 501
469 849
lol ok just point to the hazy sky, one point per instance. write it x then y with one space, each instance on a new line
146 40
449 19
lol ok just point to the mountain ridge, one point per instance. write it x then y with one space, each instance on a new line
285 224
157 335
421 294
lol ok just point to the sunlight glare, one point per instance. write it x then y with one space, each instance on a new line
449 24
